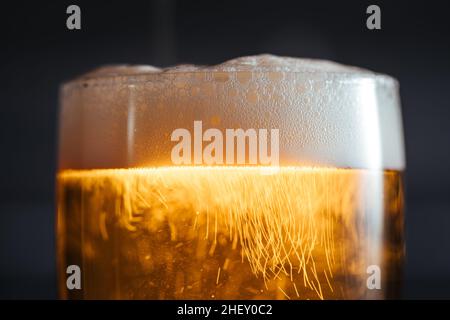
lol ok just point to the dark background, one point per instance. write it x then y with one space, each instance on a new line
38 53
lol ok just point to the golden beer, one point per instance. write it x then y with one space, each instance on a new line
320 225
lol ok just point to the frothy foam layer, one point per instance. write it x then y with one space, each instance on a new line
328 114
259 63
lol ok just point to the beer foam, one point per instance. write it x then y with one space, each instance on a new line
271 63
328 114
120 70
259 63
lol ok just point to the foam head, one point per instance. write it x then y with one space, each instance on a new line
327 114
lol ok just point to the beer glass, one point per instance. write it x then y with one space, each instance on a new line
260 178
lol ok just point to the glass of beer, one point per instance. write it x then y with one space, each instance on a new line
260 178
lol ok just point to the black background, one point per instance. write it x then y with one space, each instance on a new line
38 52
